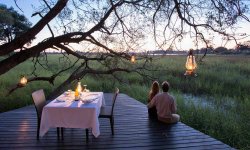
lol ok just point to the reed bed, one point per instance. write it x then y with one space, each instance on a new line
218 101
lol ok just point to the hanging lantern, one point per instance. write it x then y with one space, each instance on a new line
78 90
23 81
190 64
132 58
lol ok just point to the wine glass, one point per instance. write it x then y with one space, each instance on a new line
84 88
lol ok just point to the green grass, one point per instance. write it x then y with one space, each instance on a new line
223 82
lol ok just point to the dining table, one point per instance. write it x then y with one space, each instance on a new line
68 112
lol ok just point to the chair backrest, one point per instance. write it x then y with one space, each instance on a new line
39 101
114 99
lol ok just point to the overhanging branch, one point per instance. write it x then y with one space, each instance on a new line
30 34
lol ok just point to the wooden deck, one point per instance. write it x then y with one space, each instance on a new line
133 129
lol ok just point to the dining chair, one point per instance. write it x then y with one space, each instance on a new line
40 101
107 111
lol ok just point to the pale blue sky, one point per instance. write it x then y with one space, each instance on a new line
27 9
25 5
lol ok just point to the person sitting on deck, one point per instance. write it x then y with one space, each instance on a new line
165 105
154 90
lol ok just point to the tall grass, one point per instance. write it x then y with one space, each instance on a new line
223 82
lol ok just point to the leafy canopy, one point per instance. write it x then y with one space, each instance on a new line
12 24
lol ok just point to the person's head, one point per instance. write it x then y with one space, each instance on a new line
155 87
165 86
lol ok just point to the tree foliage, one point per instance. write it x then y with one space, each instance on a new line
109 31
220 49
12 24
245 46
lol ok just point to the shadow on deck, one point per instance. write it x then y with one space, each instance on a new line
133 129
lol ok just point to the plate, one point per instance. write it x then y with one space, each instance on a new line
89 100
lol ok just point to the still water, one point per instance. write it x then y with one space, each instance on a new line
209 102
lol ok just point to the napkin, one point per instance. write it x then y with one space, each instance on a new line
88 100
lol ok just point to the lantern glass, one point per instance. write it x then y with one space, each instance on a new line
190 64
133 59
23 81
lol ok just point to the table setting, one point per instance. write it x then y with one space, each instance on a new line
73 110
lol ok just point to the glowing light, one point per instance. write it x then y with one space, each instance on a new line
133 59
23 81
78 90
190 64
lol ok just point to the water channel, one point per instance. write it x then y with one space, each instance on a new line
209 102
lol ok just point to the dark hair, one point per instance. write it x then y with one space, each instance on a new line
165 86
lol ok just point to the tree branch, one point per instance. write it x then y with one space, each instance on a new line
30 34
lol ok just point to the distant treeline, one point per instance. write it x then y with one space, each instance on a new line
218 50
241 49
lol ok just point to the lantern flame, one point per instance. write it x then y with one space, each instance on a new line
190 64
132 59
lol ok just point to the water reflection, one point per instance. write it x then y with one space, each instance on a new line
209 102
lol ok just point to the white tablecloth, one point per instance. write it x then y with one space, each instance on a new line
67 113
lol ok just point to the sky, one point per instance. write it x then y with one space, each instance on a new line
25 5
27 10
28 5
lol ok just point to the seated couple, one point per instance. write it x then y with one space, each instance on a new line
162 105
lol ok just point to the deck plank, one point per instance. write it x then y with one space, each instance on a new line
133 129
